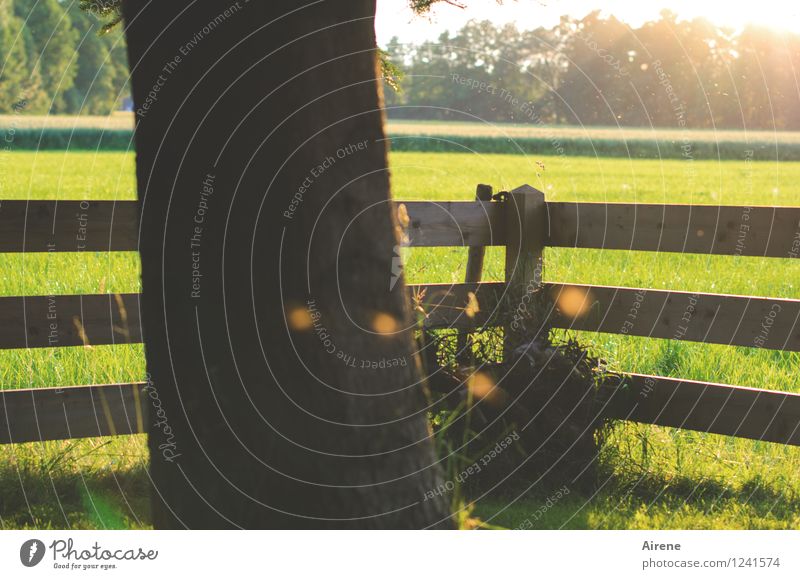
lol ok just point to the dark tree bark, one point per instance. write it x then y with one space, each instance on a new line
285 391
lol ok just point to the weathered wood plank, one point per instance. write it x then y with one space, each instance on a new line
473 274
445 305
455 223
69 320
37 226
73 412
114 409
526 234
704 229
476 253
755 322
752 413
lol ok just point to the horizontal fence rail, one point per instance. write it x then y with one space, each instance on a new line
454 223
36 414
752 413
731 320
704 229
445 305
105 410
755 322
37 226
32 415
69 320
701 229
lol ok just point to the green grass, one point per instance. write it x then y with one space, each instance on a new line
653 477
626 142
67 175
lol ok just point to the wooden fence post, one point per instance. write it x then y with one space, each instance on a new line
526 234
473 274
475 255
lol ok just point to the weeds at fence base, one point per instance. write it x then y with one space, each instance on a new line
532 420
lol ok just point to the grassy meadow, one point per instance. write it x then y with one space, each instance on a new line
653 477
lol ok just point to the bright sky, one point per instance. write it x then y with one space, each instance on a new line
396 19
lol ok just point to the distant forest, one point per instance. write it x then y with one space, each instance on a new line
54 60
591 71
600 71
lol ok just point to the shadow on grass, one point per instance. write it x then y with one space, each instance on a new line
102 484
93 501
650 502
87 484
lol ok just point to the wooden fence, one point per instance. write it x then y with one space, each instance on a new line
525 224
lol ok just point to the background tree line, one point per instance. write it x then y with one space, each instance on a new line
56 59
600 71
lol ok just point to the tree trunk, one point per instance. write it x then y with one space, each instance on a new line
285 389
